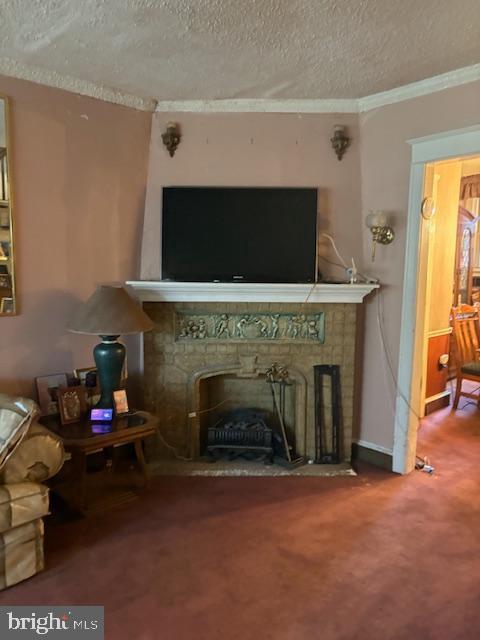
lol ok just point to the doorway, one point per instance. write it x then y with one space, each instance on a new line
459 145
452 256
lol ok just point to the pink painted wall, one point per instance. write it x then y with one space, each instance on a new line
385 167
79 173
80 170
252 149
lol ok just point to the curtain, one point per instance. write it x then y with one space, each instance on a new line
470 187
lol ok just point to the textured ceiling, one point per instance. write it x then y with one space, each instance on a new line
224 49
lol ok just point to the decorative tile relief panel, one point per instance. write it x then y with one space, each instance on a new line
250 326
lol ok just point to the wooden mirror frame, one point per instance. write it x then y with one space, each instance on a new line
8 304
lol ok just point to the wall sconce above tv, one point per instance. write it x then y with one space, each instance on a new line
239 234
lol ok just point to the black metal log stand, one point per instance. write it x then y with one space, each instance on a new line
327 449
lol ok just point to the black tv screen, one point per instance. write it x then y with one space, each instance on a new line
232 234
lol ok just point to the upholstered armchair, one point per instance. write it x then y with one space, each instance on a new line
29 455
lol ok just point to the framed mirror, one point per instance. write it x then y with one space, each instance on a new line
8 302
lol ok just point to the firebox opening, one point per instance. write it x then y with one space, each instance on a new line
228 397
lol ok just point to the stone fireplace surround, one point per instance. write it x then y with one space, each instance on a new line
175 367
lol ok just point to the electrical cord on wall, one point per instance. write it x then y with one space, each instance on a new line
391 371
334 264
310 293
173 449
352 271
337 252
317 274
215 406
379 321
425 463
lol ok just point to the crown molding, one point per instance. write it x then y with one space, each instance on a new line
13 69
342 105
420 88
254 105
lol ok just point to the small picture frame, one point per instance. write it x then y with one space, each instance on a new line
4 217
5 281
6 305
47 391
120 401
72 404
88 378
81 374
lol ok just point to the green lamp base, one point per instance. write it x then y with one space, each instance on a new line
109 356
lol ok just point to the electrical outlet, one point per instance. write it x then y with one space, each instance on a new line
443 361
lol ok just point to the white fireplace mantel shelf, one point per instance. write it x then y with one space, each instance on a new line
163 291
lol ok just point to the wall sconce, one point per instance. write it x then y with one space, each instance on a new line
340 141
171 138
377 222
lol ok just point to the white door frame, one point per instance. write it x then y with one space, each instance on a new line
441 146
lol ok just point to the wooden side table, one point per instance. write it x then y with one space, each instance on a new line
84 437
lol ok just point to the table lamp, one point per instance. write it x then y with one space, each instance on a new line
109 313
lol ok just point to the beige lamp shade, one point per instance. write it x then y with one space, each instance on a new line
110 311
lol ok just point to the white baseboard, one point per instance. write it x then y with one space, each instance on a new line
374 447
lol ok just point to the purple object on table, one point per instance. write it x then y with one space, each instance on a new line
101 414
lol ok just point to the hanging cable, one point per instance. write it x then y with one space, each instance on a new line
398 391
337 252
190 415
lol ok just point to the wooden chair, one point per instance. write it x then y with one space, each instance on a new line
466 339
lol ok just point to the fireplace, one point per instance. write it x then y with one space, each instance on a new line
222 399
219 390
205 359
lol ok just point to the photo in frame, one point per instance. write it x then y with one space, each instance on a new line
5 281
81 374
6 305
120 401
87 376
47 392
72 403
4 216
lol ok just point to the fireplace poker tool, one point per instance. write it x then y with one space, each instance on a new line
280 420
278 374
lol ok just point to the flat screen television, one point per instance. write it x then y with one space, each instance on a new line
231 234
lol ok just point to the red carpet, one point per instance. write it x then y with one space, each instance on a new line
374 557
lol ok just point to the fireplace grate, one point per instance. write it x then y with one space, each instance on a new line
240 432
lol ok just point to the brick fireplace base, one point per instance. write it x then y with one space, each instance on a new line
177 359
